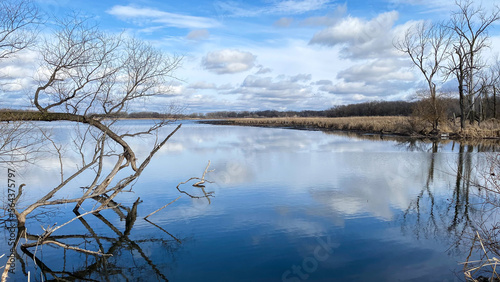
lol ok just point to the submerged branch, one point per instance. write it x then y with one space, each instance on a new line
146 217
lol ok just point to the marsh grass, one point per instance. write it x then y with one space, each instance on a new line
474 270
398 125
369 124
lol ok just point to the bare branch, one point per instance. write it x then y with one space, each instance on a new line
18 21
427 45
146 217
198 184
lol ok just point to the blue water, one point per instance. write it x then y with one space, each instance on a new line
288 205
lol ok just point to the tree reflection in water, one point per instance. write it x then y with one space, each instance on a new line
469 217
451 218
118 257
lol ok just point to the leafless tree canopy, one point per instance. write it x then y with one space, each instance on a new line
17 20
86 77
427 46
18 25
470 24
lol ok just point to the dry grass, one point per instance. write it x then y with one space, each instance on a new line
473 269
488 129
396 125
409 126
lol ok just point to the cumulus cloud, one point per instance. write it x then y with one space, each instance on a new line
344 87
198 34
300 77
360 38
174 89
323 82
380 77
263 70
228 61
280 92
156 16
381 70
17 76
283 22
202 85
226 86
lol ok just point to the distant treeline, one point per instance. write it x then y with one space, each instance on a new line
264 114
450 107
376 108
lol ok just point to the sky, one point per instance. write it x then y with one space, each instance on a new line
270 54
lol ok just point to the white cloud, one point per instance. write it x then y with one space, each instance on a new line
360 38
227 86
263 70
366 89
202 85
169 19
16 77
198 34
381 70
373 78
279 93
349 88
300 77
323 82
228 61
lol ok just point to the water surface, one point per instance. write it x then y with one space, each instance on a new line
288 205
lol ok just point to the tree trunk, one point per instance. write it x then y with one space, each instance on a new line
435 112
494 102
480 111
462 105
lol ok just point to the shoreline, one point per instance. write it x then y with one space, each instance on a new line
311 128
390 125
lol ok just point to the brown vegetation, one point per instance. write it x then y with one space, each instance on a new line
397 125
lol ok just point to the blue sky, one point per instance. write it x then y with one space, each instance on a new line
283 55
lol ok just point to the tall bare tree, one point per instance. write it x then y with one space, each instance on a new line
457 68
470 24
427 46
495 84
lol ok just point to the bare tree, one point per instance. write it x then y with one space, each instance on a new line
495 84
85 77
488 80
427 46
17 21
470 27
457 67
429 110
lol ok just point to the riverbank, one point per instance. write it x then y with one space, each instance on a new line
392 125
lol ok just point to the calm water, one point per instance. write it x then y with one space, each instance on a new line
288 205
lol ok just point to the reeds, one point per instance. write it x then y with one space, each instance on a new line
398 125
487 264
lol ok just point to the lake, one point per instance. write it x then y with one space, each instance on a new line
287 205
